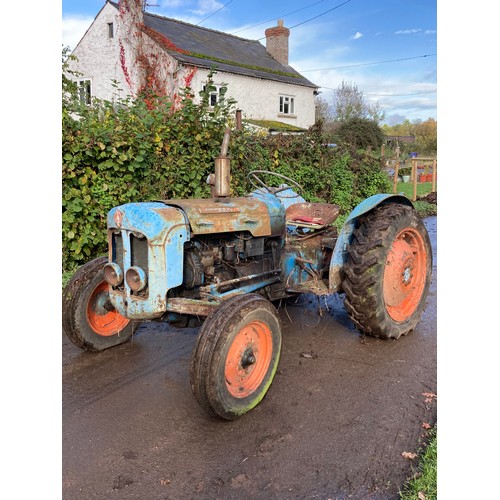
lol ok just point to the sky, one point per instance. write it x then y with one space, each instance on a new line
387 48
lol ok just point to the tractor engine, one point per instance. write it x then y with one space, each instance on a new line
222 258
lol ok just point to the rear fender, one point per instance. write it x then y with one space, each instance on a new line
339 256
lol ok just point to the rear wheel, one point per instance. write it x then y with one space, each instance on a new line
88 317
236 356
388 271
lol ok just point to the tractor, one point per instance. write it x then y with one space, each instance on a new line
228 262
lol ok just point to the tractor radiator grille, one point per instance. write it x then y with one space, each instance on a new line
138 245
139 249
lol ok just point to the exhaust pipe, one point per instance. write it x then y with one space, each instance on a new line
220 182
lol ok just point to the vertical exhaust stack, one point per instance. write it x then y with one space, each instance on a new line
220 182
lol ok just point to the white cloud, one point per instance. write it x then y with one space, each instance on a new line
357 35
73 29
207 7
171 4
407 32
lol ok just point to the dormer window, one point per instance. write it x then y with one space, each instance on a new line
111 32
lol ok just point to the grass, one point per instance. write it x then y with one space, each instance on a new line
406 188
424 484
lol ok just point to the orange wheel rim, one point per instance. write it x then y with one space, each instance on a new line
101 320
405 274
248 359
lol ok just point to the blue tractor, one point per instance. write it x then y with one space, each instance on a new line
228 261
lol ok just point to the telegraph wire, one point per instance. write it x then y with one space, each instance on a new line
215 12
275 18
315 17
389 95
367 64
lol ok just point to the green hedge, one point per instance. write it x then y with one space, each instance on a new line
141 150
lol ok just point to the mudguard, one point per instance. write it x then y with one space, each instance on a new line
339 256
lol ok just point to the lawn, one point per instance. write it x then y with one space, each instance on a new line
423 188
424 483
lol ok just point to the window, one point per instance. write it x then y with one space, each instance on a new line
110 30
287 105
214 94
84 91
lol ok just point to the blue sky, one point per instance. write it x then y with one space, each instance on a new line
377 45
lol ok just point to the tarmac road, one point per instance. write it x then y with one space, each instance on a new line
341 411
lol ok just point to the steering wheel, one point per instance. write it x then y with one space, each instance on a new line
252 177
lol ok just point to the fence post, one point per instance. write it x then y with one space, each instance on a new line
434 174
414 175
396 173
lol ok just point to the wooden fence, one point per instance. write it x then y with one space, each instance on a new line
427 164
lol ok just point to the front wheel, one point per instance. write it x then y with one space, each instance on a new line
88 317
236 356
388 271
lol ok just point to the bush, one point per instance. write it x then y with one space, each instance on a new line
360 133
141 150
115 153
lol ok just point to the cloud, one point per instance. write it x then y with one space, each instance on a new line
407 32
357 35
73 29
207 7
171 4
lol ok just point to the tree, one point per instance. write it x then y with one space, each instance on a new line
323 110
349 103
360 133
426 137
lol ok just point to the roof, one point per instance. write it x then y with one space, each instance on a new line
207 48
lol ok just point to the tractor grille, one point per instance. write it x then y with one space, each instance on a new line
117 249
139 249
137 245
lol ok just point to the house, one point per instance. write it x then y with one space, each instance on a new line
127 49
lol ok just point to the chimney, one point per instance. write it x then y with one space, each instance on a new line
277 42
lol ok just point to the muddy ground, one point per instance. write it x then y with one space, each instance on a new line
341 411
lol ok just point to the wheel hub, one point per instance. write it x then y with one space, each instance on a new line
248 358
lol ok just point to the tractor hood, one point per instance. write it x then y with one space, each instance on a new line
261 214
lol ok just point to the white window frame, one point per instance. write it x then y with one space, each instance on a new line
287 105
214 96
84 88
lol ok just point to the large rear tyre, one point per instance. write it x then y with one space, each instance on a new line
388 271
236 356
88 317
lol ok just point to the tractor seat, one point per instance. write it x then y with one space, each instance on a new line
311 215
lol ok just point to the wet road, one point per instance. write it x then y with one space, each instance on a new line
339 414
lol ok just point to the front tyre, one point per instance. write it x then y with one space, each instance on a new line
236 356
388 271
88 318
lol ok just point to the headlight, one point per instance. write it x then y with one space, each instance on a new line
136 279
113 274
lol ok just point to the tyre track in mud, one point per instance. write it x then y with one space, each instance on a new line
79 381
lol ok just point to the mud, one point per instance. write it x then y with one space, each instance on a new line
341 411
